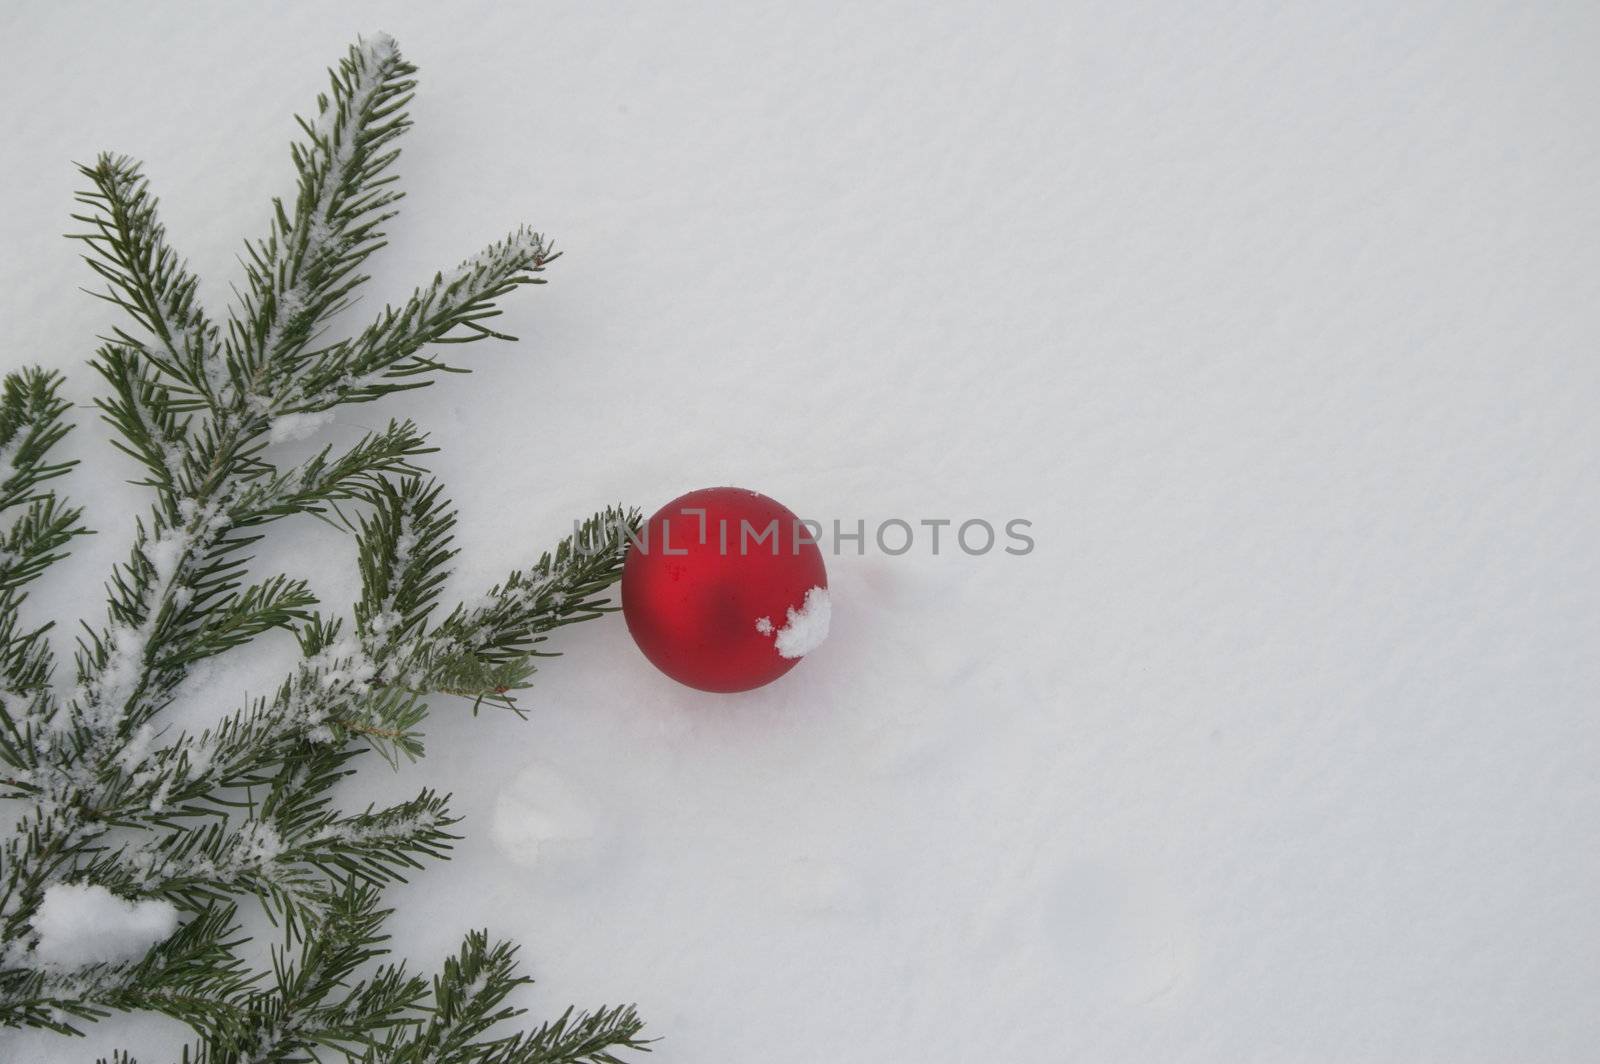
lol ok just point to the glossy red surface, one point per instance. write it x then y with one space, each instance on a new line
694 588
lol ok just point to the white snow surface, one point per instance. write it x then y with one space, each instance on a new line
82 923
1280 324
805 628
287 428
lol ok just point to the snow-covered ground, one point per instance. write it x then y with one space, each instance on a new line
1278 321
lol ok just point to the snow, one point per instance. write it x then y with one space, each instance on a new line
80 924
286 428
114 684
542 817
1278 322
524 243
806 627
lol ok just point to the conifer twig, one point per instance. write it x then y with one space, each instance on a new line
106 795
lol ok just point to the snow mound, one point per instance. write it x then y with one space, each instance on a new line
542 817
81 924
807 627
286 428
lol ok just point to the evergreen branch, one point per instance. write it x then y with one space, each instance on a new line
184 575
277 603
305 270
193 976
468 1000
31 411
577 1038
325 479
403 548
27 704
387 356
377 847
34 541
486 648
314 1001
197 867
107 797
184 563
284 856
31 424
151 426
129 250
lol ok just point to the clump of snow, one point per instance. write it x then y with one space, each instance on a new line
542 817
512 253
380 47
287 428
807 627
80 923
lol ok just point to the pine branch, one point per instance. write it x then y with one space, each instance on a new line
31 423
305 270
147 278
486 650
403 548
577 1038
110 799
387 356
148 417
315 1000
468 1001
323 481
277 603
32 538
35 540
193 976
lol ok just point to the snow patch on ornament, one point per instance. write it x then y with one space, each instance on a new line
80 923
807 627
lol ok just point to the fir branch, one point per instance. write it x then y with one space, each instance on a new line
148 417
315 999
402 548
147 278
106 795
387 356
31 423
306 268
35 540
468 1001
325 480
193 976
26 702
32 539
486 649
277 603
577 1038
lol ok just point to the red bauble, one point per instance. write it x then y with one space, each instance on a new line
724 590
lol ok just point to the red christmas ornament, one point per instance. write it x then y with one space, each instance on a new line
725 590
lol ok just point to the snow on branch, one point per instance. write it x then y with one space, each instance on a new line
131 843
